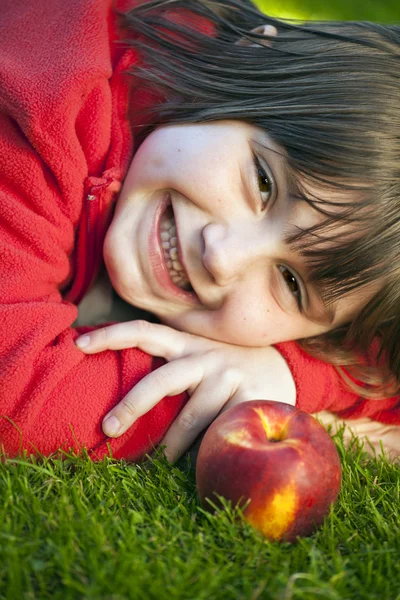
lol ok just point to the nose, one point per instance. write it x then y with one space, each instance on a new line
229 251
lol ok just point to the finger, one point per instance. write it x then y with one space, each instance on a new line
155 339
170 379
202 408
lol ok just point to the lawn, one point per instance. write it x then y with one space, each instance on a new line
74 529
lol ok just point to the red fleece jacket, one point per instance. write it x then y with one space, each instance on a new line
65 146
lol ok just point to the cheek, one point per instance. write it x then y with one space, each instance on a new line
247 331
234 327
249 320
246 323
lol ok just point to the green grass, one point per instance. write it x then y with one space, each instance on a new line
110 530
74 529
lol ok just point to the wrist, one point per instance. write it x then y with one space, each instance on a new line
283 386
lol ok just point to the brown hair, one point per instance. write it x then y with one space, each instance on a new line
329 94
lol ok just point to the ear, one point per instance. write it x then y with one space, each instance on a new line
267 30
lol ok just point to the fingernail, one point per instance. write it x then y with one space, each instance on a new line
111 426
82 341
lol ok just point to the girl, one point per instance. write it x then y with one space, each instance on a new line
259 206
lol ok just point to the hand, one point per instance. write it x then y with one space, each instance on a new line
216 376
377 437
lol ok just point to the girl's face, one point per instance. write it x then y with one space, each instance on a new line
198 238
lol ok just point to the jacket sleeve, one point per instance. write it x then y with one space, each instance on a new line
52 395
55 131
319 387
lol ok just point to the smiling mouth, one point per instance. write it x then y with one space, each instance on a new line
169 243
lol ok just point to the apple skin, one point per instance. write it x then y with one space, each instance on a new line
280 458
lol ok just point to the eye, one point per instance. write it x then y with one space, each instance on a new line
292 284
265 183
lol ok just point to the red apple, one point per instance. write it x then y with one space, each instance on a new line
280 458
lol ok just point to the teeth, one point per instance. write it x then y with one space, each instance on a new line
166 223
177 265
169 243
